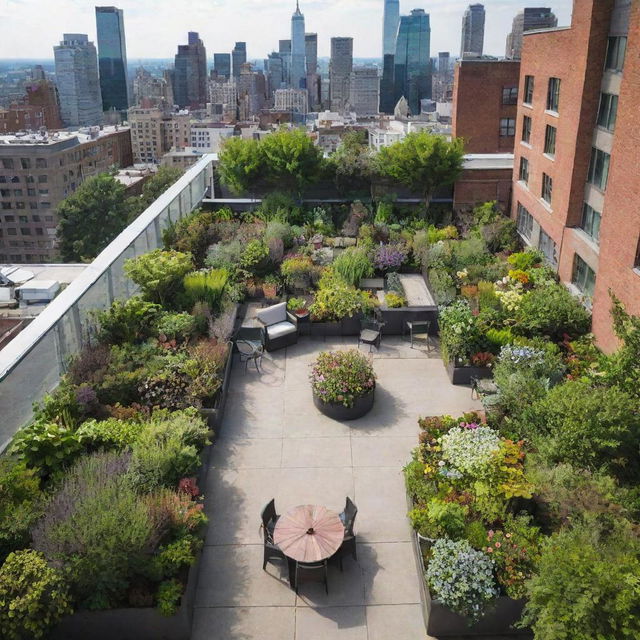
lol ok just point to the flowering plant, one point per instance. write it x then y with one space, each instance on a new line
389 257
461 577
511 299
459 331
470 447
522 356
482 359
342 376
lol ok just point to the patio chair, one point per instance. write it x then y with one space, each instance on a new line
419 331
250 351
348 546
312 572
280 327
370 333
269 518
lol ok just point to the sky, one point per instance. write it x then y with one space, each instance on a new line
154 28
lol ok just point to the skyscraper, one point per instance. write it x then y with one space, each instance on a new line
112 57
42 92
528 20
311 52
274 73
390 26
298 45
413 59
222 64
364 90
239 57
284 48
78 81
340 69
190 83
472 31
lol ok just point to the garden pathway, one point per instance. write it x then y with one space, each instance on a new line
274 443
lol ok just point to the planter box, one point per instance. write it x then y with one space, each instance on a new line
337 411
214 415
345 327
396 319
463 375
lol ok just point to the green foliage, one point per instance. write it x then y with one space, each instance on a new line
255 257
622 367
395 301
352 265
486 213
422 162
90 218
525 260
206 286
177 555
110 434
33 596
20 504
353 164
241 164
587 586
157 185
295 304
168 597
193 234
442 285
459 334
159 274
552 311
589 427
298 272
439 519
176 326
277 230
133 320
335 299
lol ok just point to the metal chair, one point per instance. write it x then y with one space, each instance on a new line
269 518
419 330
312 572
250 351
371 333
348 546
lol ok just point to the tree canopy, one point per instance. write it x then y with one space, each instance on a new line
352 164
91 218
158 184
422 162
241 164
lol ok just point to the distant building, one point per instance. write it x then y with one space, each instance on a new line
43 93
391 22
340 69
485 103
238 57
251 92
473 31
364 90
223 98
222 64
313 77
528 20
298 50
293 100
274 71
207 137
151 91
112 58
284 49
78 81
190 76
412 68
37 172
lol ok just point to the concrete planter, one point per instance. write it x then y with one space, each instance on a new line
213 415
462 375
344 327
396 319
336 411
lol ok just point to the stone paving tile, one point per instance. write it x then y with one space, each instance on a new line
396 622
383 451
244 623
316 452
346 623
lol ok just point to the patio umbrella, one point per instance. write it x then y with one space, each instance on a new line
309 533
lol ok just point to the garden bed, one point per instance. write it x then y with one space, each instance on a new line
463 375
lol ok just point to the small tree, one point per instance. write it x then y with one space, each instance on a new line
352 163
241 164
157 185
91 218
291 159
422 162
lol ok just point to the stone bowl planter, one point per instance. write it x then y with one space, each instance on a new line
337 411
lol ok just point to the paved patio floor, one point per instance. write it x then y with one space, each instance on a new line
274 443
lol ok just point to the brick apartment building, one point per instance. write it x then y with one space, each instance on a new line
576 193
154 133
37 172
485 104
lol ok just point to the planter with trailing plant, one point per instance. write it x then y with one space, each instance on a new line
461 374
343 384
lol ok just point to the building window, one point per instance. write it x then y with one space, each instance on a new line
524 170
608 111
550 141
547 188
509 95
591 222
507 127
553 95
524 222
526 129
25 163
584 277
12 232
548 247
616 52
7 163
528 89
43 179
31 192
25 231
33 205
41 163
23 219
599 168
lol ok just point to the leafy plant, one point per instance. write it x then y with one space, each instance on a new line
439 519
168 597
389 257
206 286
109 434
470 448
342 376
193 234
33 596
132 320
335 299
298 271
296 304
178 327
395 301
352 265
459 333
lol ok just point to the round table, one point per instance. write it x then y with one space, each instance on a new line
309 533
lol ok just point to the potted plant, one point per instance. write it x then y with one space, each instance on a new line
343 384
317 241
298 306
270 286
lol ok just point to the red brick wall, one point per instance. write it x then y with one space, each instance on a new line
620 230
477 186
477 104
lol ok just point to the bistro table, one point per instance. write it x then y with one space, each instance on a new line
308 533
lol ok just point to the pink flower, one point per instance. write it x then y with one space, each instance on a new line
491 533
498 545
489 550
507 535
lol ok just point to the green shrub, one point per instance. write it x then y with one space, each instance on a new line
586 586
193 234
33 596
133 320
255 257
168 597
622 368
500 235
159 274
298 271
176 326
352 265
439 519
442 286
335 299
206 286
589 427
395 301
174 557
459 334
225 255
110 434
525 260
282 231
552 311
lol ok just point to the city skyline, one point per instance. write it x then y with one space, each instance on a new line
223 22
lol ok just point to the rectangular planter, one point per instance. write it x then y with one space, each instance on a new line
396 319
344 327
463 375
214 415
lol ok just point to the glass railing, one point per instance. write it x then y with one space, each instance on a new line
32 363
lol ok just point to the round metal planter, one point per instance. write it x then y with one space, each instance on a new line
337 411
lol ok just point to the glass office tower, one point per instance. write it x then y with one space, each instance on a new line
112 59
